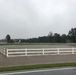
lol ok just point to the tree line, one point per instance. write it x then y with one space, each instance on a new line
50 38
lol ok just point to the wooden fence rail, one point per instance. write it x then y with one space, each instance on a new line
40 51
2 50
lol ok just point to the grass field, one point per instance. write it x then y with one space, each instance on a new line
38 45
13 68
32 43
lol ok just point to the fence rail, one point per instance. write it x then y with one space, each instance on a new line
38 52
2 50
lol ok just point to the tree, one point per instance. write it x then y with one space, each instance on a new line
72 35
63 38
8 38
50 37
50 34
57 38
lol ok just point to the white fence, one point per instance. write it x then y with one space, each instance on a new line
2 50
42 51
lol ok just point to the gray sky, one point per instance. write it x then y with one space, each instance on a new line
34 18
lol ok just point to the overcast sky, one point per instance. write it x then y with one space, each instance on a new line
34 18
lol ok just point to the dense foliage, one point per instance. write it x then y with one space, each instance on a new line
8 38
72 35
50 38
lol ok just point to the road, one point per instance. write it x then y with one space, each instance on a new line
54 71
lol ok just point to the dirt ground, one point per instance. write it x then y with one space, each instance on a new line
29 60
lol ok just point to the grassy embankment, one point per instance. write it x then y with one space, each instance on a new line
27 67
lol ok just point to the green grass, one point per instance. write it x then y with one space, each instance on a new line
34 44
26 67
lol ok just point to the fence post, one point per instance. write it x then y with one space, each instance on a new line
7 52
43 51
72 50
26 51
58 50
4 52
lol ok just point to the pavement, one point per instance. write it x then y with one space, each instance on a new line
47 71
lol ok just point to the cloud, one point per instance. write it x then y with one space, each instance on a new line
33 18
